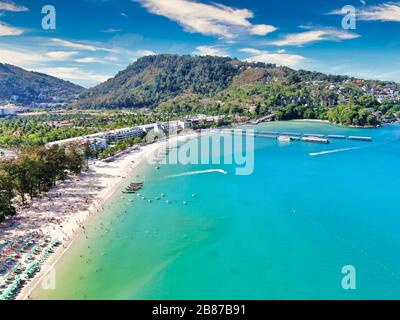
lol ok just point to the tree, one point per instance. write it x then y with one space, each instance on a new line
75 158
6 189
25 175
36 170
368 101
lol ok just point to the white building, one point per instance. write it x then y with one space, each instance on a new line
98 144
6 111
158 127
184 124
123 134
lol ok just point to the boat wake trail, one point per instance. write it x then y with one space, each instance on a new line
192 173
332 151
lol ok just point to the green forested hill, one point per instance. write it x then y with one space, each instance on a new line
215 84
25 87
155 79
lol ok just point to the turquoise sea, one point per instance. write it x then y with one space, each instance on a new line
284 232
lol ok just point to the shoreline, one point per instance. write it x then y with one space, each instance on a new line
104 177
310 120
336 124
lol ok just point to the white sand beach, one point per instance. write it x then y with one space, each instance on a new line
62 212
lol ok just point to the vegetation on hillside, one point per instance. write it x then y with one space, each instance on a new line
158 78
214 85
25 87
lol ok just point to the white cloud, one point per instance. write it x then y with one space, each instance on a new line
77 45
121 55
61 55
262 29
111 58
384 12
208 19
21 59
302 38
278 58
39 62
250 51
389 11
143 53
111 30
210 51
73 74
7 30
89 60
11 6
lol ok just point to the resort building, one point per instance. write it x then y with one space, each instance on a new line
102 140
6 111
98 144
184 124
123 134
158 127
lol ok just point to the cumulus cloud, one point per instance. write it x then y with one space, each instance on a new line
208 19
7 30
384 12
210 51
11 6
278 58
262 29
389 11
302 38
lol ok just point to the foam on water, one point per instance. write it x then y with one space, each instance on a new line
313 154
193 173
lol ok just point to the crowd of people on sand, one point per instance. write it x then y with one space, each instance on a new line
21 259
52 220
29 238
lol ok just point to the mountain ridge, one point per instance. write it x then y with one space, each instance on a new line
26 87
156 80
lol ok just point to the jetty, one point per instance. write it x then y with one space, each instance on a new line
293 136
315 140
368 139
267 118
336 136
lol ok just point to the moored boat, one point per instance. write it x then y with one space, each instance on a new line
284 139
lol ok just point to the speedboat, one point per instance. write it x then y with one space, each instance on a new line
284 139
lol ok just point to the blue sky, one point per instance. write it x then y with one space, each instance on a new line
94 39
